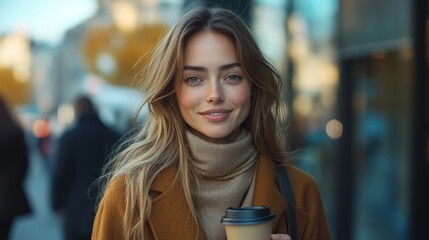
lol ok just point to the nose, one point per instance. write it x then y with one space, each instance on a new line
215 93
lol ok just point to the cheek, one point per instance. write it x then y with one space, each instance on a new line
186 99
243 98
243 101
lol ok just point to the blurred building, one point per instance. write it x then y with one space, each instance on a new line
42 78
98 55
361 117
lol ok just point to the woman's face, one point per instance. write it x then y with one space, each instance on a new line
214 96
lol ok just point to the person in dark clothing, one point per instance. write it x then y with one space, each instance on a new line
79 158
13 168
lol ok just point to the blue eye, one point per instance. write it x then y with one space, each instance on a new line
233 78
193 80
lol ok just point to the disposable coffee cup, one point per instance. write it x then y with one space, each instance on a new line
248 223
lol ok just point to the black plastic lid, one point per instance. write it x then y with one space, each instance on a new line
247 215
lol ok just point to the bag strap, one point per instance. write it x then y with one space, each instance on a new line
287 191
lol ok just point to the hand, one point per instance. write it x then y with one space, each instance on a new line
280 237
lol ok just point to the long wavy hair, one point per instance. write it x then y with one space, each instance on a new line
161 142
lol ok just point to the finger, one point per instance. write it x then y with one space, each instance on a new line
280 237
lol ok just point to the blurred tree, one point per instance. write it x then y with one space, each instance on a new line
14 88
112 54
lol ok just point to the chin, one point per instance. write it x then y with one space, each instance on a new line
219 137
217 134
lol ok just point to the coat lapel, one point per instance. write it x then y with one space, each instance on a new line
171 216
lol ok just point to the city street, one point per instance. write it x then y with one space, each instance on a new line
41 224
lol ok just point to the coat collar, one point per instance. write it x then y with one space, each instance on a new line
171 216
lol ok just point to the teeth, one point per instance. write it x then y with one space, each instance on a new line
216 113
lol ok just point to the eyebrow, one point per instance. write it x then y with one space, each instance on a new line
203 69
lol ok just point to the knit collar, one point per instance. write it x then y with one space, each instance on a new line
222 161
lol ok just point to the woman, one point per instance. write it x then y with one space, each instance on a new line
13 168
210 141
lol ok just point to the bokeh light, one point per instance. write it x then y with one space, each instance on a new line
334 129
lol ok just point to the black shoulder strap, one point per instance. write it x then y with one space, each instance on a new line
287 191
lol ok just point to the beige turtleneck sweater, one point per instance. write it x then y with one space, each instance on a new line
226 178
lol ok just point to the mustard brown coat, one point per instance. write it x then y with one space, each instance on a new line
171 217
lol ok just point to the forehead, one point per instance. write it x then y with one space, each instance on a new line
209 46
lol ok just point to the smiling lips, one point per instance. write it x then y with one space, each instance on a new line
216 115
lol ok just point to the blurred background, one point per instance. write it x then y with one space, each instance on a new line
355 77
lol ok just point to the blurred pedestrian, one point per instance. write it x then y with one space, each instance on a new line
79 157
212 140
44 141
13 169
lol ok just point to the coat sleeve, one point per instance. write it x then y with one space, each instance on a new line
311 219
64 172
22 157
109 218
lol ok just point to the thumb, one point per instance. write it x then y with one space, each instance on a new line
280 237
